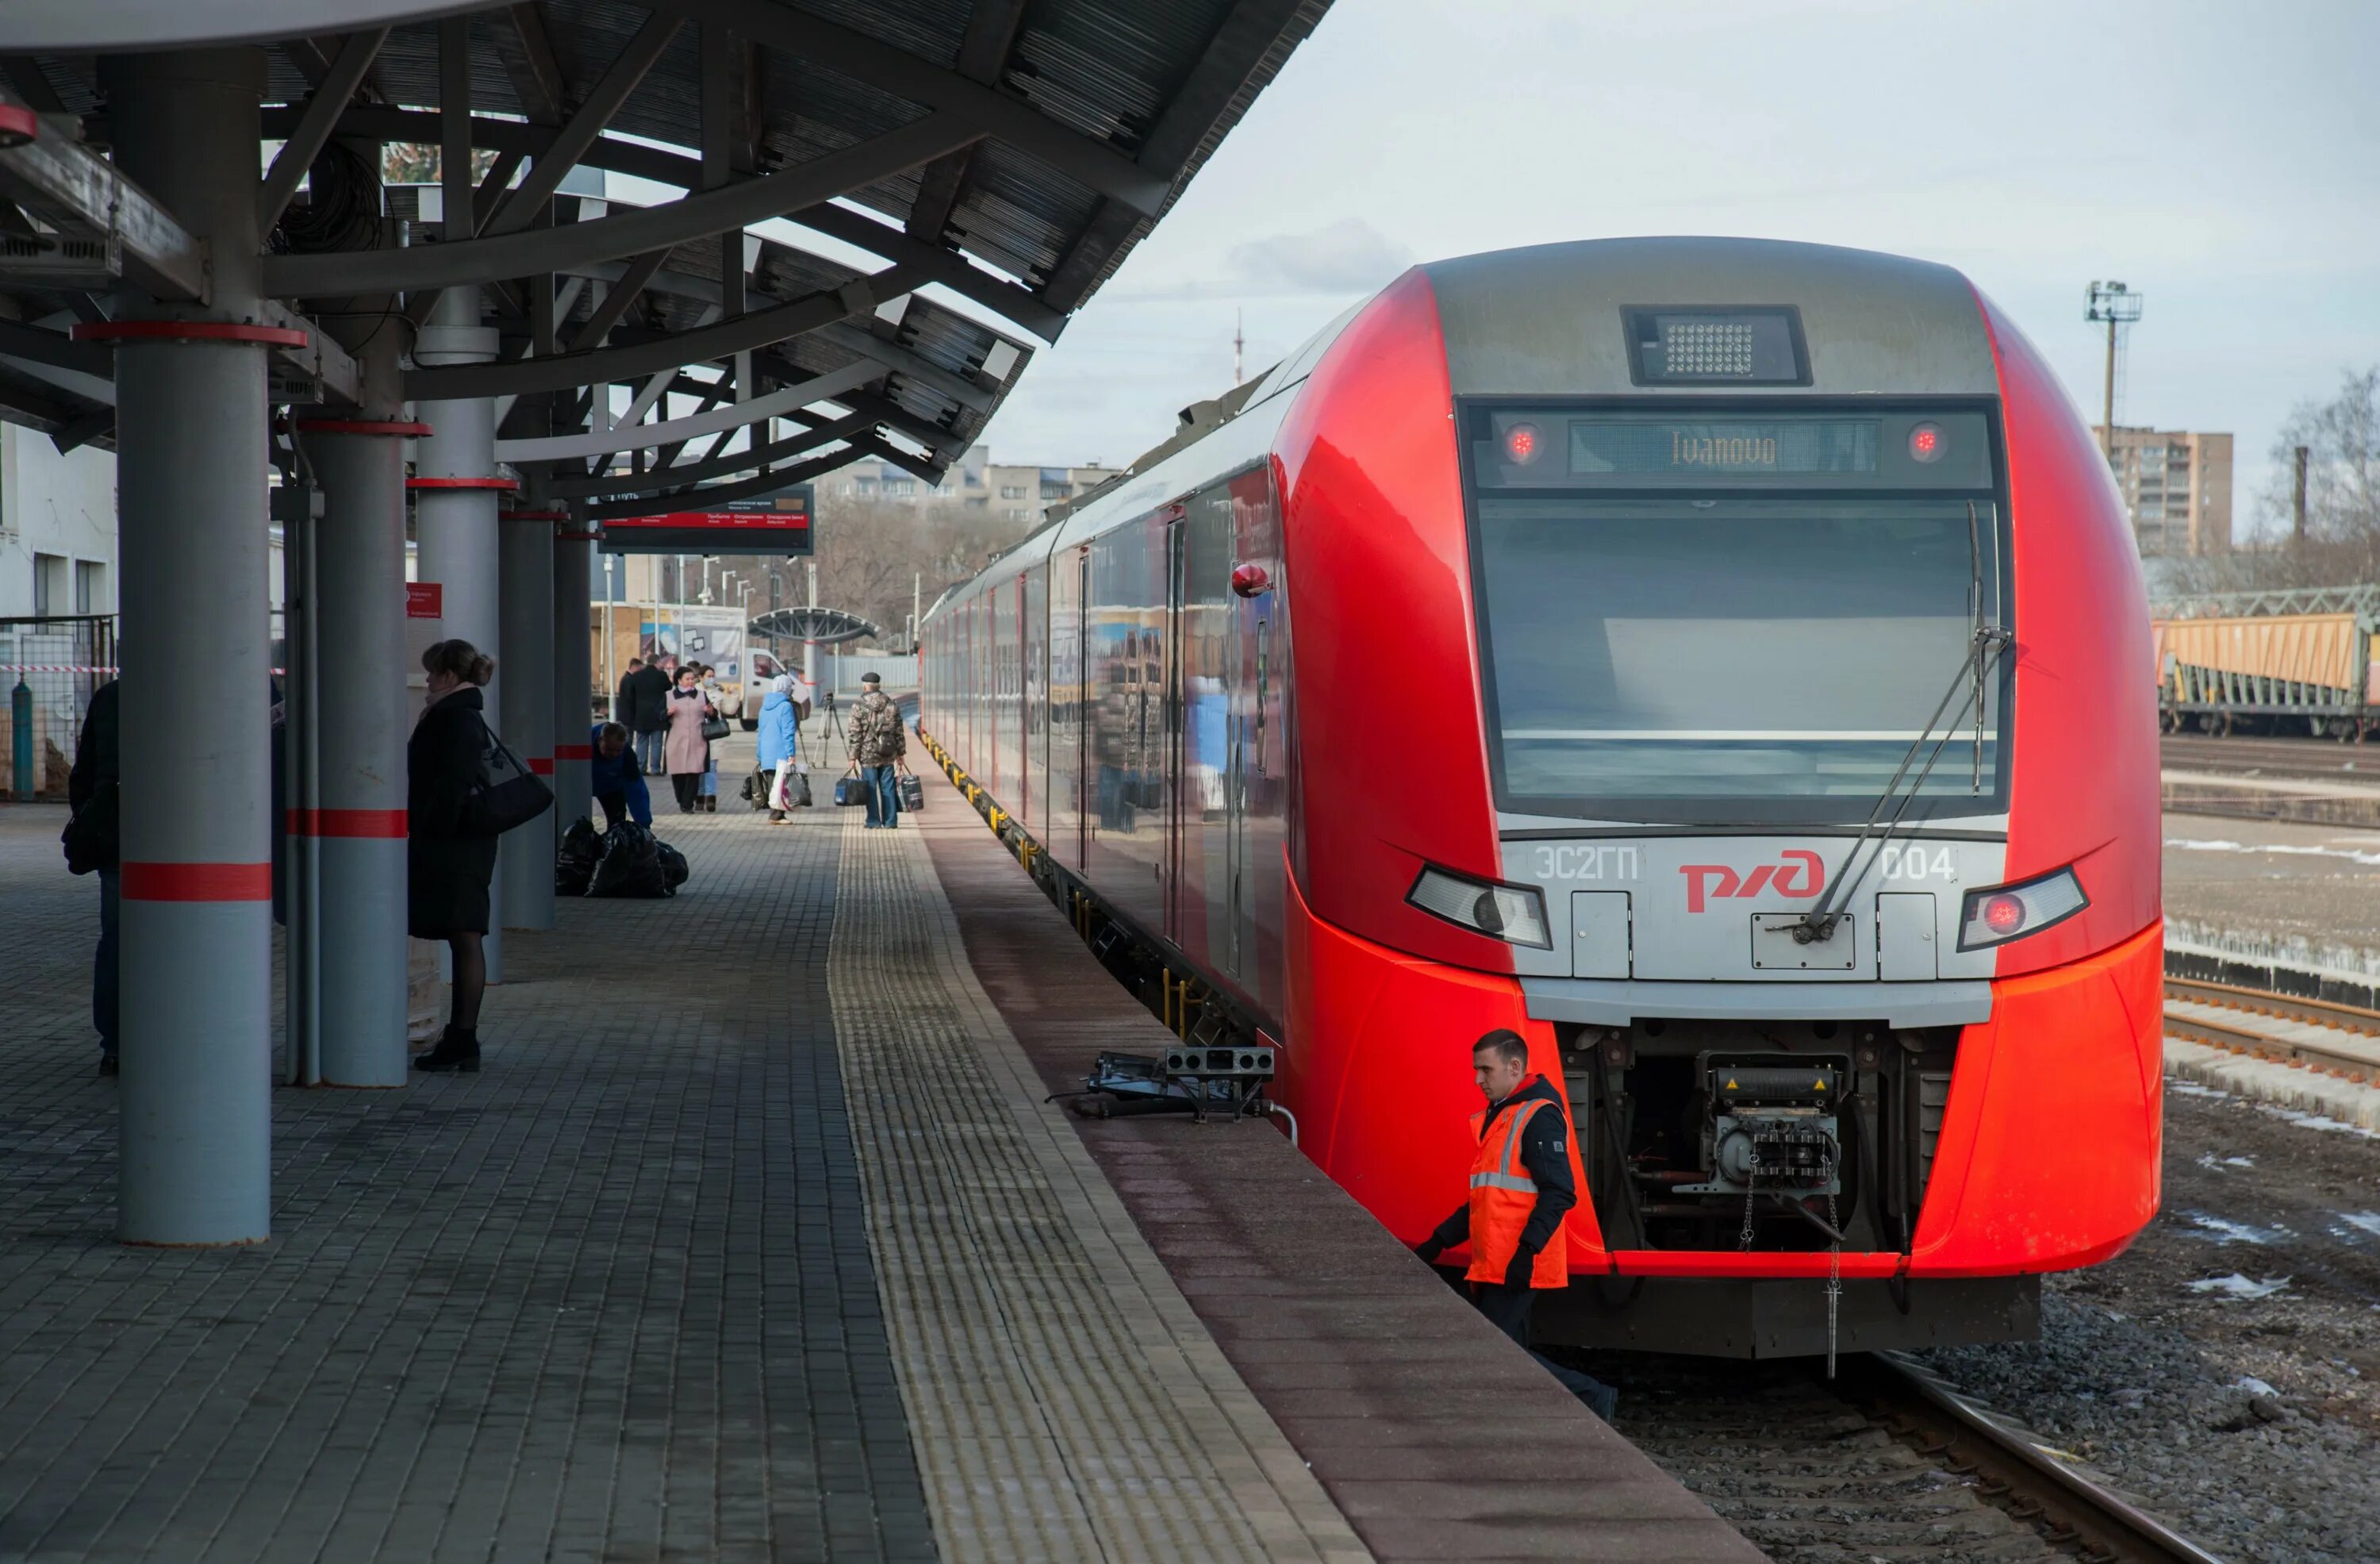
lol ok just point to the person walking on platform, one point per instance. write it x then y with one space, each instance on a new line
623 702
1524 1178
878 743
716 694
618 781
91 844
647 691
447 866
686 751
779 743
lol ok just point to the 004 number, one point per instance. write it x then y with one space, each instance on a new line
1914 862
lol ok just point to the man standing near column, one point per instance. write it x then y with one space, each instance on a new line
648 692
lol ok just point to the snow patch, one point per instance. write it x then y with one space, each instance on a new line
2236 1287
2228 1231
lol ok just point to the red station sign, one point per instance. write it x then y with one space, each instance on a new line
776 532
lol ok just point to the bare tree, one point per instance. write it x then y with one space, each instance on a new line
873 554
2342 541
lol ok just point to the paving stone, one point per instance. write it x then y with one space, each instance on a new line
608 1299
1067 1402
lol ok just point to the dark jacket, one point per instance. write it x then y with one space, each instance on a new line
623 702
646 693
90 836
618 775
1545 1152
448 873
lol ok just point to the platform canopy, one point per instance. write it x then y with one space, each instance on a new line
828 627
992 163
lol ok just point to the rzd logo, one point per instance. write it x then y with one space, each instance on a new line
1705 880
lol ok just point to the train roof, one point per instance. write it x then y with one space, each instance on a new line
1521 321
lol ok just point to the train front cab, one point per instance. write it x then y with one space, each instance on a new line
1691 537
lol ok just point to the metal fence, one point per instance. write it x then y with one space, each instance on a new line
49 667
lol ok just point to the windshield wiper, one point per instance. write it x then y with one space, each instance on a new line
1985 642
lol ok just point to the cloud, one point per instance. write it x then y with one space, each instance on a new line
1346 259
1350 256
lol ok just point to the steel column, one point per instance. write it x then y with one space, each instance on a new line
455 496
524 857
359 822
573 673
196 1090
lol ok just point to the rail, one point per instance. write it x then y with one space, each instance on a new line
2036 1482
2349 1054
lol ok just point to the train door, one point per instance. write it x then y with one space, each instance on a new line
1169 758
1020 721
1036 582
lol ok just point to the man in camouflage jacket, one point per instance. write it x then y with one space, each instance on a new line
878 743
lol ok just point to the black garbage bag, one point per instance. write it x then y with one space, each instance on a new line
673 869
631 864
575 860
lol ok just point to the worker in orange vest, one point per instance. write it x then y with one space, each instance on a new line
1523 1180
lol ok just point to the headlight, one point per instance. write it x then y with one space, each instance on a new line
1515 914
2007 913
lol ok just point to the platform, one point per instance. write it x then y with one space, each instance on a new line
755 1241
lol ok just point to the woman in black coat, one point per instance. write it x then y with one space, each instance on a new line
447 871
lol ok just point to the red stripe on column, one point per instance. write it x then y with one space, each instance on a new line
505 483
198 881
574 751
376 823
540 765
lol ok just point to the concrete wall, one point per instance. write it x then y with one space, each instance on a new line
60 506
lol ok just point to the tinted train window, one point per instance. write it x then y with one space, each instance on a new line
1735 656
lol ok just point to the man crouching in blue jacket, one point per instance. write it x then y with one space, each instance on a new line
618 781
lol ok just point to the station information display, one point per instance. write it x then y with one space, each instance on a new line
778 525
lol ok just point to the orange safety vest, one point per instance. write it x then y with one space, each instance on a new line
1503 1196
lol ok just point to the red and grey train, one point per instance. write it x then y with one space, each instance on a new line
1716 660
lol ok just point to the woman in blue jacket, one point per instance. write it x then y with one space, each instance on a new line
618 781
780 741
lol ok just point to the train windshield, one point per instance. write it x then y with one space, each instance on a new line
1740 655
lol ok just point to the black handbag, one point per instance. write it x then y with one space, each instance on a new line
850 790
506 794
715 729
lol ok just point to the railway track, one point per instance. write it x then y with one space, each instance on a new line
1886 1461
2315 758
2072 1506
2336 1039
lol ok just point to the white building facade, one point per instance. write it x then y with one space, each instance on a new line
58 528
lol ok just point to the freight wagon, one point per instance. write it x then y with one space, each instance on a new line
2288 663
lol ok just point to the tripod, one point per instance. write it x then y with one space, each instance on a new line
833 724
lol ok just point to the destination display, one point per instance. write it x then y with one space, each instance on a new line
1701 446
1719 448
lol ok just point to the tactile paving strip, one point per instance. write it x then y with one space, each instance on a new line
1065 1401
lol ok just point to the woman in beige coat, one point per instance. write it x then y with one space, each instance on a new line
685 753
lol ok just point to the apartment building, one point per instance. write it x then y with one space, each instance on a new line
964 480
1025 493
2177 487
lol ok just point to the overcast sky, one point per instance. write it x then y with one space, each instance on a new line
2219 158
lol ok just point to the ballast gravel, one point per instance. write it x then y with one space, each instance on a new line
2226 1370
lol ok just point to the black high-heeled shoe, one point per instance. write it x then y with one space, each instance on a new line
458 1050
